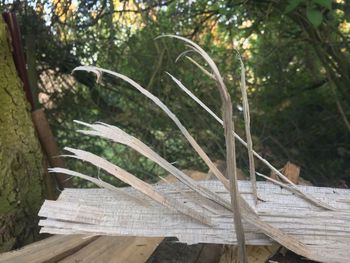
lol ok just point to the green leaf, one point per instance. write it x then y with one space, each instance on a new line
325 3
314 16
292 4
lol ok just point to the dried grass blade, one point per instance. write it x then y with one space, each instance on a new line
138 184
183 54
206 72
247 130
117 135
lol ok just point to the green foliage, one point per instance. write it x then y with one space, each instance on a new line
292 4
324 3
297 60
314 16
314 9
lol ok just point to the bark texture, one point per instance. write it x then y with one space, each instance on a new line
21 159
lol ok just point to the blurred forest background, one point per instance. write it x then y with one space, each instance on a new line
297 57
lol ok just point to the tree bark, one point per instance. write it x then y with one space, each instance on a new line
21 159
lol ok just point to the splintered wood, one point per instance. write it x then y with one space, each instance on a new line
103 212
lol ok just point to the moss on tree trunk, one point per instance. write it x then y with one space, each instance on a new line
21 159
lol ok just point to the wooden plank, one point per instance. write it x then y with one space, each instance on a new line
47 250
109 249
291 171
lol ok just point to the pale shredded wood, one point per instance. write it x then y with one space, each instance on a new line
325 235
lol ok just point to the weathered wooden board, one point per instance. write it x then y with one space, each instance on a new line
114 249
48 250
84 249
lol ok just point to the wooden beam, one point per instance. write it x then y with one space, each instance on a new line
109 249
48 250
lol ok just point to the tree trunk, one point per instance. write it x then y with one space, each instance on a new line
21 159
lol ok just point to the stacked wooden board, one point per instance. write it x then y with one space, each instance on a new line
80 248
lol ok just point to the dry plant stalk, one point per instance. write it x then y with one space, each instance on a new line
238 205
246 114
249 143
